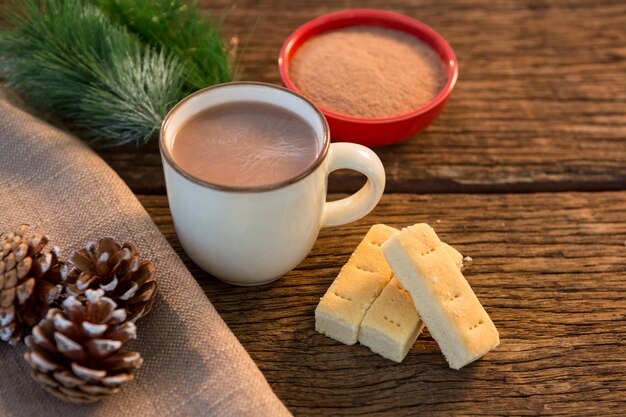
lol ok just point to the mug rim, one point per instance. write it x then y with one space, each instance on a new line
165 151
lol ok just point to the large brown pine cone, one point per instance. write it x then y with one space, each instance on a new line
30 281
78 353
118 271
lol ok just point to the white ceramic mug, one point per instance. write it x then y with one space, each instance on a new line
252 236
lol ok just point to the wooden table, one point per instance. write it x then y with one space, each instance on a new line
525 172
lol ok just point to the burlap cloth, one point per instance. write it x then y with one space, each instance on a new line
193 364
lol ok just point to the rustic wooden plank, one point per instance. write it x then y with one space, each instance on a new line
540 105
549 269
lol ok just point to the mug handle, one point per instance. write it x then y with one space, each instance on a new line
361 159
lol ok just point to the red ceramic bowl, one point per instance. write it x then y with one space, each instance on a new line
384 130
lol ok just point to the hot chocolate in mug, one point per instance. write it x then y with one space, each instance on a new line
254 235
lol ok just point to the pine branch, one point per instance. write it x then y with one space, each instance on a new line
67 58
177 26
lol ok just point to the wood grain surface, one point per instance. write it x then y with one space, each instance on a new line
540 104
525 172
552 281
538 119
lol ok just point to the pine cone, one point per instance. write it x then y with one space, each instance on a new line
30 281
118 271
78 353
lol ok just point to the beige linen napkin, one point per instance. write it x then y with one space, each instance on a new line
193 364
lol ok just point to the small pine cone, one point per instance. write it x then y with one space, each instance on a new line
118 271
30 281
78 353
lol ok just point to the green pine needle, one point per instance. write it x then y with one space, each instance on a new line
67 58
177 26
88 68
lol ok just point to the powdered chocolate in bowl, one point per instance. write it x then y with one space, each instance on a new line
368 71
385 77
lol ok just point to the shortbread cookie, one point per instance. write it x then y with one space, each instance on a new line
392 324
341 310
448 306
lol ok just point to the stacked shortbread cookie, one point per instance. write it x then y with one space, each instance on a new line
366 302
340 312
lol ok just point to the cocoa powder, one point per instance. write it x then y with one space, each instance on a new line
368 71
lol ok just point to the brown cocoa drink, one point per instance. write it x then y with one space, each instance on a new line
245 144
